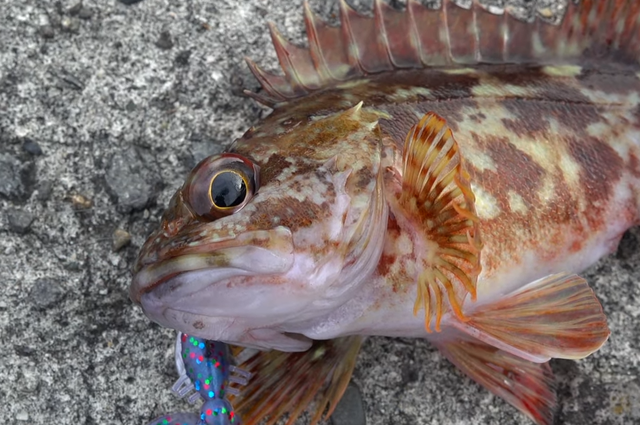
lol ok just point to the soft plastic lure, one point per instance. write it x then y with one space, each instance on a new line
204 367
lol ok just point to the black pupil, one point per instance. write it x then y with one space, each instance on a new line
228 190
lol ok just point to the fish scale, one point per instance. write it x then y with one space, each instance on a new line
441 174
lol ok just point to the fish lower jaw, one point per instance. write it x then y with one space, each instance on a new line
225 329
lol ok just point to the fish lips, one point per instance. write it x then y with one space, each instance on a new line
196 293
178 278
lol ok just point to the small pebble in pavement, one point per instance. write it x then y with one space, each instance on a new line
19 220
121 238
350 408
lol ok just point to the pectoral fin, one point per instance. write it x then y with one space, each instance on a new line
526 385
435 205
555 317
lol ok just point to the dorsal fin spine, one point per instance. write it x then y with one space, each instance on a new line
315 49
463 46
295 63
346 16
448 36
381 30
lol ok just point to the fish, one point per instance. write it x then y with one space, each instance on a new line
443 174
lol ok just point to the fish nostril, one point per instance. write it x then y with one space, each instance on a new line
172 227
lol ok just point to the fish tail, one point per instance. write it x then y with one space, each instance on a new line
452 35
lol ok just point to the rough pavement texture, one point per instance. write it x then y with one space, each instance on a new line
104 107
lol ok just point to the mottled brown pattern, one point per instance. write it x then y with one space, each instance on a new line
533 115
442 85
324 133
383 89
542 229
634 164
384 265
273 167
609 81
636 116
548 87
478 118
531 119
290 212
405 116
601 168
516 171
362 178
389 258
563 210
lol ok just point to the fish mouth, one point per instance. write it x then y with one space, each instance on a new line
226 291
261 252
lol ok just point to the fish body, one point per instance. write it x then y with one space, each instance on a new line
447 188
552 158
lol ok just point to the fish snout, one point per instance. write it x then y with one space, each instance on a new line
186 267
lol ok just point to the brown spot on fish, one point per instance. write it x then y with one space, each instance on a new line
562 211
273 167
198 324
576 246
289 212
411 84
530 76
479 117
634 164
622 81
453 111
601 169
515 170
533 115
384 264
325 133
531 119
533 83
363 177
636 116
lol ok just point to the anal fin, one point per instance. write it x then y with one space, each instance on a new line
526 385
436 206
289 382
555 317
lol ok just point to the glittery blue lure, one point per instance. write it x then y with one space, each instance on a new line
205 373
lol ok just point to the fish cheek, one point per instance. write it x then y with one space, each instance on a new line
288 212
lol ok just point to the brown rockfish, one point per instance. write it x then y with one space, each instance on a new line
438 174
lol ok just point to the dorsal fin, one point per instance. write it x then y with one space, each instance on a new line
452 35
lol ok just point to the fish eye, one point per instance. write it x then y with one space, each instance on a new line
221 185
228 189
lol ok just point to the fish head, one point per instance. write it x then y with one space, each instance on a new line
261 243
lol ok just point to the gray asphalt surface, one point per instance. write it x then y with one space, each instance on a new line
104 108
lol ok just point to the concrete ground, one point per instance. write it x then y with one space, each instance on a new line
104 107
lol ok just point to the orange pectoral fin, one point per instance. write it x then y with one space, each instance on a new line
526 385
437 206
555 317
